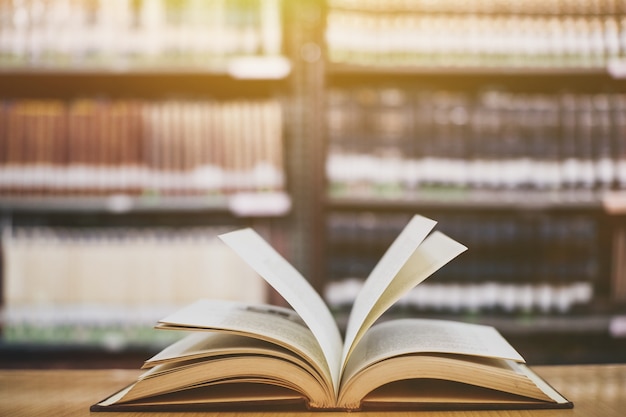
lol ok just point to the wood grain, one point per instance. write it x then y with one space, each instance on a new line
596 390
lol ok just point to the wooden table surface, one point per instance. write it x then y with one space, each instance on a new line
596 390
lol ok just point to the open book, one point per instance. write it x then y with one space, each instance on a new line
242 356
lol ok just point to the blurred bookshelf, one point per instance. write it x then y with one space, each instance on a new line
504 121
132 133
148 127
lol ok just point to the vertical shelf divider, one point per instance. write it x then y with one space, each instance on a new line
306 135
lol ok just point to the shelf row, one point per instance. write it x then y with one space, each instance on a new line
489 297
124 329
246 38
487 7
174 263
407 145
466 38
260 204
473 199
106 287
94 147
130 34
110 328
122 266
407 137
538 262
238 204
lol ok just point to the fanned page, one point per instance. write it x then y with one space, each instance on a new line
411 336
409 260
271 323
295 289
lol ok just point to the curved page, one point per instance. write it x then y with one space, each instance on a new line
294 288
411 336
433 253
278 325
381 276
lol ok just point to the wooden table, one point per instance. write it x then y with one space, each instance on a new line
598 390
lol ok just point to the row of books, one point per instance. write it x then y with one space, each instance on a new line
122 267
487 297
111 328
106 287
136 33
408 138
451 39
506 251
556 7
135 146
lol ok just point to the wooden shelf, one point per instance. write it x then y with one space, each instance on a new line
242 67
68 85
523 324
541 80
475 199
465 70
254 204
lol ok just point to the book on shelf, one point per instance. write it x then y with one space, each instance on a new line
542 263
244 356
489 140
187 35
90 146
452 35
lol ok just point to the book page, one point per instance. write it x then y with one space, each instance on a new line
294 288
383 273
436 251
206 345
410 336
278 325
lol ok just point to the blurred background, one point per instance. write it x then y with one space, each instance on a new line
134 132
